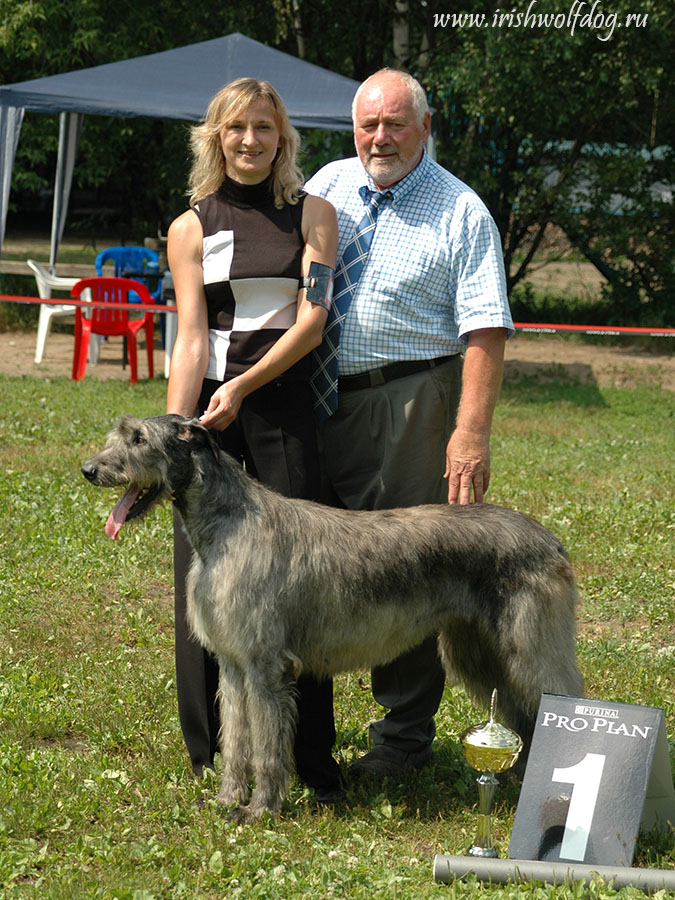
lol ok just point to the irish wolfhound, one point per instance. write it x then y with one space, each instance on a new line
280 586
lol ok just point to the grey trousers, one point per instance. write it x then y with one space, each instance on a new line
383 448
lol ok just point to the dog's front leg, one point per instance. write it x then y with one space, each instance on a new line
234 737
272 713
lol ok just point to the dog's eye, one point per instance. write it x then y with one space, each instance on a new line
139 439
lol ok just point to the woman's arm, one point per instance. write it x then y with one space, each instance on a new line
190 356
319 230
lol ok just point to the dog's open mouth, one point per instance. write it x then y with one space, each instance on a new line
133 503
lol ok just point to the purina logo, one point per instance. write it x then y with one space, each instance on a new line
596 711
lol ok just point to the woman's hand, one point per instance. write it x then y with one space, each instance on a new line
224 405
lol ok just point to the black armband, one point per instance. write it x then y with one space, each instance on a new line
319 284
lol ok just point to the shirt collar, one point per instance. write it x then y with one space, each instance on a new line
401 188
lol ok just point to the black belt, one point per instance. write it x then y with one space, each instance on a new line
376 377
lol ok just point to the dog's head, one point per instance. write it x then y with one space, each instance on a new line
152 458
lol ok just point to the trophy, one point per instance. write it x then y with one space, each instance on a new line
488 748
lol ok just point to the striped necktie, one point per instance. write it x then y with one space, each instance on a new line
325 358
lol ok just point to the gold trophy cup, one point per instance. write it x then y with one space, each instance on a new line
488 748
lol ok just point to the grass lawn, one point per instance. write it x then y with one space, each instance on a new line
96 796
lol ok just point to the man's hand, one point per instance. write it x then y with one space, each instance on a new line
467 466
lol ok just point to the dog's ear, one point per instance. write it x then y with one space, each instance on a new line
193 431
126 424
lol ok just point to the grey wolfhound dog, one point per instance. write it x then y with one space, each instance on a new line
280 586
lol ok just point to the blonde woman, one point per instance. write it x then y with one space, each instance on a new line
245 327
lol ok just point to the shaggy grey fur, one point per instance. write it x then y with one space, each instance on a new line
280 586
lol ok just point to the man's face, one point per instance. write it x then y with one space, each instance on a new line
388 136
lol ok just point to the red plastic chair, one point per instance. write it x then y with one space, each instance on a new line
110 320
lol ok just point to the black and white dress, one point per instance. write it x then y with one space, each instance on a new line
251 259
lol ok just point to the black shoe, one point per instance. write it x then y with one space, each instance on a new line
384 761
329 795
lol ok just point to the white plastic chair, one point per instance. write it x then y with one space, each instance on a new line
46 283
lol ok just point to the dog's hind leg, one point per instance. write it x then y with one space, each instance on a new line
234 736
272 713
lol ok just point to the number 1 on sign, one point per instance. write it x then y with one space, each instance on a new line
585 776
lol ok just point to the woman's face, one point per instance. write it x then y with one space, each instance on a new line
250 142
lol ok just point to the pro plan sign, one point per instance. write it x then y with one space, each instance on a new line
597 773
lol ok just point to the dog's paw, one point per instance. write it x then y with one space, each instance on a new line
233 794
252 813
246 815
235 814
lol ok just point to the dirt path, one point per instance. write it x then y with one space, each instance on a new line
563 357
545 357
17 357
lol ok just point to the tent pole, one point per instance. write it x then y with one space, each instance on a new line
11 118
70 125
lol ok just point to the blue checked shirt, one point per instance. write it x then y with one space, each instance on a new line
434 273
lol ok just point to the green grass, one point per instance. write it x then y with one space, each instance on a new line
96 796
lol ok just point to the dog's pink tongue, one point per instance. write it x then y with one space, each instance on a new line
119 514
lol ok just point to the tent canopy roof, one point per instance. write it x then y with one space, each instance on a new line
179 83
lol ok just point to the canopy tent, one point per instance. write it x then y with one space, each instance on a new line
173 84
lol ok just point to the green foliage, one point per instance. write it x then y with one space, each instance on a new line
550 128
321 147
96 796
17 316
626 228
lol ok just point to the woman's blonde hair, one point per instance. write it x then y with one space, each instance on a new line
208 167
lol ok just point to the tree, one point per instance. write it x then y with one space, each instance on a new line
625 227
549 115
550 127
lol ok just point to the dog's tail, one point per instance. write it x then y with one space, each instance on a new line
526 650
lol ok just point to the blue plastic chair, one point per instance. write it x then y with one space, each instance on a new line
134 259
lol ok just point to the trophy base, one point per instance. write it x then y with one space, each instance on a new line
483 852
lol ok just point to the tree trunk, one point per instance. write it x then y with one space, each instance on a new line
401 35
297 28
